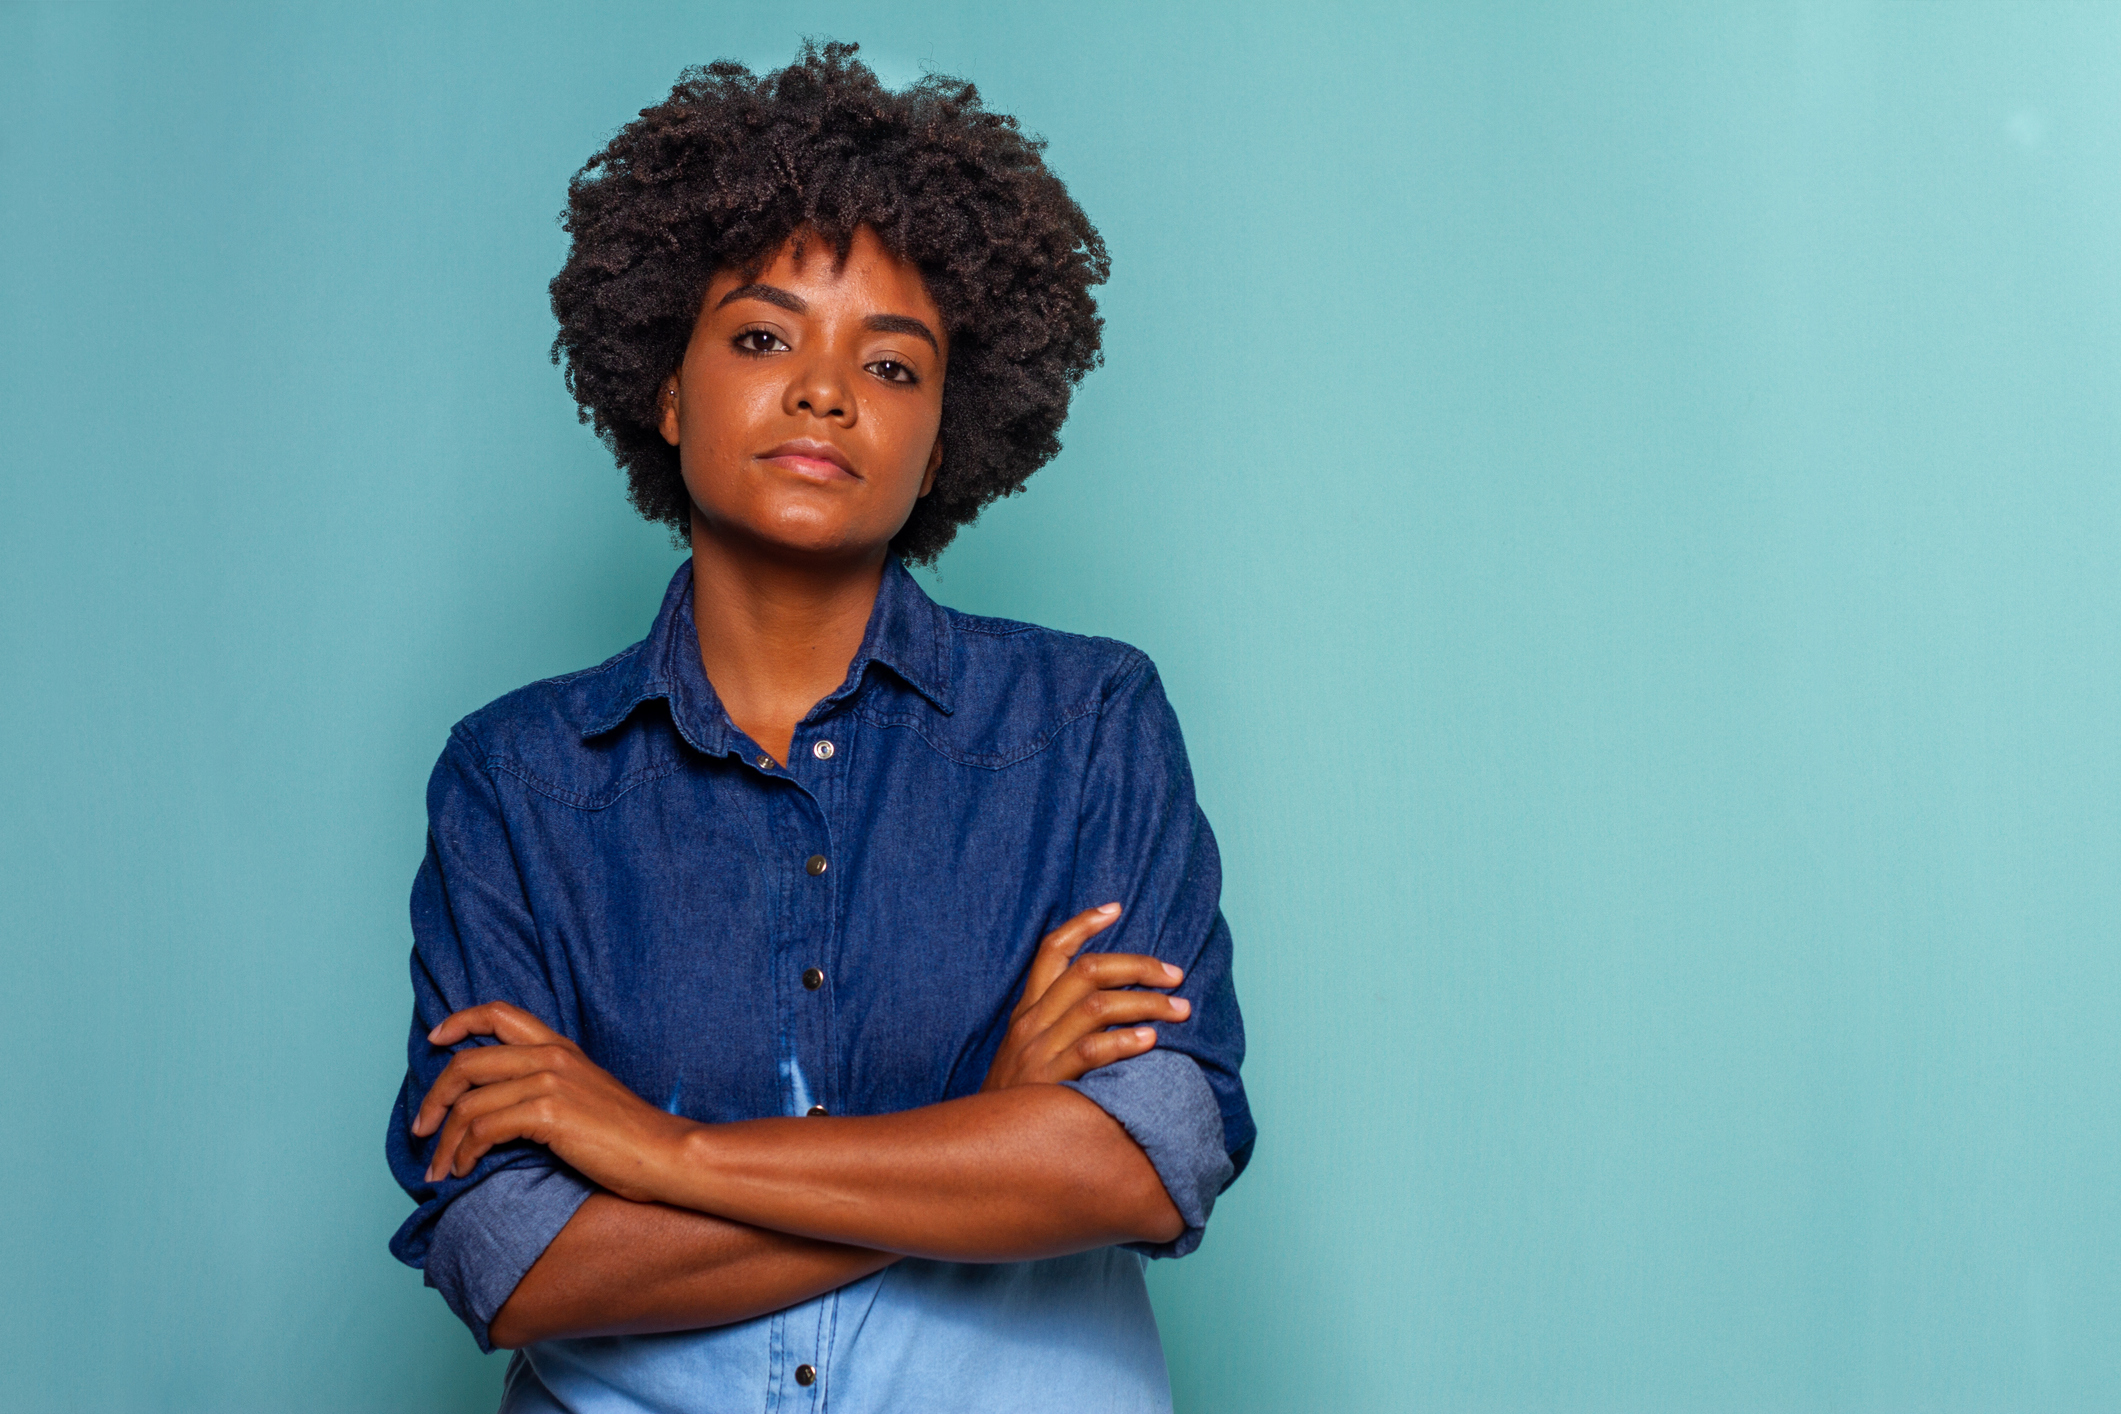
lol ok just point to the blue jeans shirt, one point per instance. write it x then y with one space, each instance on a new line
735 939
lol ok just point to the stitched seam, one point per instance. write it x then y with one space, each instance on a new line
1009 628
1129 666
998 628
624 785
989 761
614 661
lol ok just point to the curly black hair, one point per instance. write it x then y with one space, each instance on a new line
719 175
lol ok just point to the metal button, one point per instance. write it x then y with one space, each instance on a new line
814 1111
815 864
806 1375
822 751
812 978
765 762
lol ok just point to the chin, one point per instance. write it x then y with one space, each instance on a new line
805 538
800 527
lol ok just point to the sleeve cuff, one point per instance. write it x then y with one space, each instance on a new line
491 1233
1163 1102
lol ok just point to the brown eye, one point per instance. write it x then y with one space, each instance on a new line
758 341
892 371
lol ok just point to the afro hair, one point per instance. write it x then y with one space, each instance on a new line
721 174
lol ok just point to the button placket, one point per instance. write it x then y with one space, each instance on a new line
805 946
803 1354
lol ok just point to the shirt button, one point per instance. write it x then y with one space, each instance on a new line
765 762
815 864
812 978
822 751
814 1111
806 1375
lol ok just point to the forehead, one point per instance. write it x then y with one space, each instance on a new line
870 277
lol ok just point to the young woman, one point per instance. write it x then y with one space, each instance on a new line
825 999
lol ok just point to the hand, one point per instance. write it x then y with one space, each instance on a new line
1059 1028
539 1086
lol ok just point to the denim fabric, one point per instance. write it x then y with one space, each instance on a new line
609 852
1166 1106
1074 1335
487 1238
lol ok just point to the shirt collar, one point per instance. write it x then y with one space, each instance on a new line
908 633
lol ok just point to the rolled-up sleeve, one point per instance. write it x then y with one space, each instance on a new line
1142 841
1163 1102
474 941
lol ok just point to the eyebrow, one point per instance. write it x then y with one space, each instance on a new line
900 324
796 304
771 294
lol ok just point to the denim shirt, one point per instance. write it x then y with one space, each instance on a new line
846 934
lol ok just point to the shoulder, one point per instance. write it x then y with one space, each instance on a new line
1004 654
552 734
561 709
1016 689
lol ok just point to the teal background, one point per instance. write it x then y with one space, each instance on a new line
1624 501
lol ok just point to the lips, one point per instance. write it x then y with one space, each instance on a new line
812 459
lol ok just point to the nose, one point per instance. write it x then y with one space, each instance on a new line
820 388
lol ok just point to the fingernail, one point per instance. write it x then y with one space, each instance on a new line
1173 973
1144 1034
1108 908
431 1035
1183 1007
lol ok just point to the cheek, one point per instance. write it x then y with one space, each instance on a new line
912 436
718 427
728 405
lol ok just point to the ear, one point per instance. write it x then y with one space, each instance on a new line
935 463
666 401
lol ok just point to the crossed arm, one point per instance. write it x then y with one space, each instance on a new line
701 1225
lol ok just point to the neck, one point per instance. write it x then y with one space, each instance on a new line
777 633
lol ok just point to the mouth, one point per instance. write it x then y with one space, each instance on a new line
812 460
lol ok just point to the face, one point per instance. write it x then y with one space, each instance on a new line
806 411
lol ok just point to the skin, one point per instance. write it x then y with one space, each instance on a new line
806 415
788 550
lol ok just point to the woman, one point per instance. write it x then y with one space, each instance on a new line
827 996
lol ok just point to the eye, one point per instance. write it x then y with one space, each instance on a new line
892 371
758 341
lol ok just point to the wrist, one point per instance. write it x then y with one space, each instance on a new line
686 1165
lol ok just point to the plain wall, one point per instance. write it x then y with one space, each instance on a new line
1624 501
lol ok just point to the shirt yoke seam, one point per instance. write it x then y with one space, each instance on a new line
1129 666
983 760
623 786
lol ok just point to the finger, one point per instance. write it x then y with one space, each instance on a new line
464 1139
451 1155
1100 1049
1059 947
1097 972
482 1065
534 1119
1097 1013
510 1024
1102 1010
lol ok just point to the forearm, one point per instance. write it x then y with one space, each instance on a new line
1012 1175
625 1268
